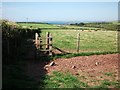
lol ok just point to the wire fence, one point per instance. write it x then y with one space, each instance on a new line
77 41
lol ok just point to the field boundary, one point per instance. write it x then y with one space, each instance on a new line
70 55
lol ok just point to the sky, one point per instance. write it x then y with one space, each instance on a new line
60 0
60 11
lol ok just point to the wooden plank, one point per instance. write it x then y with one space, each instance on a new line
45 50
44 44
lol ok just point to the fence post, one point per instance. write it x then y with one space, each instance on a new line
36 43
38 46
47 40
40 42
78 42
50 44
36 39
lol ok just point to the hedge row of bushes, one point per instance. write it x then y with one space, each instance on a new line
101 25
12 38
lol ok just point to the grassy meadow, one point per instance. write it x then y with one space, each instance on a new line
44 25
91 39
65 80
94 41
91 42
37 25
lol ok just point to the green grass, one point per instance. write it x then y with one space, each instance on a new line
63 80
69 55
116 22
38 25
81 27
95 41
105 84
67 80
108 74
43 25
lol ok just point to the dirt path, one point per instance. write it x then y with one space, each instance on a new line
34 68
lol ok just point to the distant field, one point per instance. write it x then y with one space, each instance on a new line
38 25
94 41
34 25
116 22
81 27
90 40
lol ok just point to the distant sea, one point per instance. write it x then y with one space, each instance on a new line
59 23
69 22
63 22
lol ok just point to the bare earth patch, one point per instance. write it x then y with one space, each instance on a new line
90 69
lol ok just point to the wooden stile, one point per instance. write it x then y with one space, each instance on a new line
48 44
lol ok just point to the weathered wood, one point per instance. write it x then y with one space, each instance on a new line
59 49
36 39
78 42
44 44
36 44
50 44
40 40
47 40
45 50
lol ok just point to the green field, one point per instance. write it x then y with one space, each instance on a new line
38 25
90 39
81 27
16 69
67 80
94 41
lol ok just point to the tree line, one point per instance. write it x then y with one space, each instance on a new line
102 25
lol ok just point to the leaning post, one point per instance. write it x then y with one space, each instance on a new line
36 43
78 42
47 40
50 44
36 39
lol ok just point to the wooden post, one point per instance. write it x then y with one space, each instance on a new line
50 44
36 39
40 42
36 43
47 40
78 42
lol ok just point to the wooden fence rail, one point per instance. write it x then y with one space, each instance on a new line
47 45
